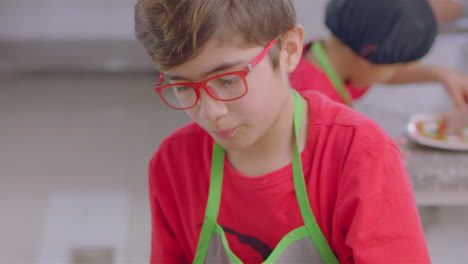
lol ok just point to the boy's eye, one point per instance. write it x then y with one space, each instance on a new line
230 80
181 89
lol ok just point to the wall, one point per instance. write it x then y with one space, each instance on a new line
48 20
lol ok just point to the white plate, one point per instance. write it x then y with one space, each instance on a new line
415 135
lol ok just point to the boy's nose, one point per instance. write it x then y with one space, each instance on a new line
211 109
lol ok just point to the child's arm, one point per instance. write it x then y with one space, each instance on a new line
454 82
456 122
446 10
164 245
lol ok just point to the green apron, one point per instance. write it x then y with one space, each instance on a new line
305 244
325 65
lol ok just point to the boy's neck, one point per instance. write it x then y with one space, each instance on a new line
275 149
339 55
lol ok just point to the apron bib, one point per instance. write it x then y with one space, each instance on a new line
305 244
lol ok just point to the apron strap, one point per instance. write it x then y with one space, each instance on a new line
212 206
301 192
326 66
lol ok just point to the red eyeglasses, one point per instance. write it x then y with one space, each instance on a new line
224 87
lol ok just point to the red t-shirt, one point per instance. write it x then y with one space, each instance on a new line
358 188
308 76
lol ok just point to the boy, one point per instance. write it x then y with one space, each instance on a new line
375 42
264 174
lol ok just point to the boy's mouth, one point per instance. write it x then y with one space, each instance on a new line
227 133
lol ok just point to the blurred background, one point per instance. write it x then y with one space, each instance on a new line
79 121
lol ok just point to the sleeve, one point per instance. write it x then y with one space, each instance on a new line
164 245
376 217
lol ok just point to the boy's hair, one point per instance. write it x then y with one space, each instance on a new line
175 31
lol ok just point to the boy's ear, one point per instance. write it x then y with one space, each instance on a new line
291 48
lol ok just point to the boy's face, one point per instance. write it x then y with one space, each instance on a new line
241 123
366 74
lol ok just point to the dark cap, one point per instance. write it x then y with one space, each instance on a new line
383 31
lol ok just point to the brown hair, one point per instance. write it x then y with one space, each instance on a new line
175 31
